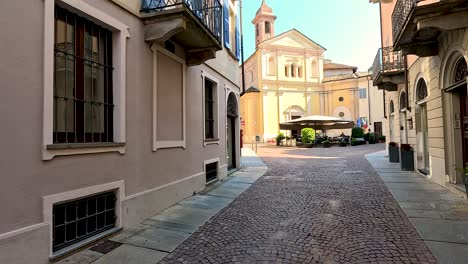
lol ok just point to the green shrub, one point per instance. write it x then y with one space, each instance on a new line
280 137
382 137
371 136
325 142
308 135
354 142
357 132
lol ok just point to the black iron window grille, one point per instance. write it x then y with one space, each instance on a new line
208 12
211 171
387 61
232 106
83 108
461 71
80 219
400 15
403 101
209 109
421 91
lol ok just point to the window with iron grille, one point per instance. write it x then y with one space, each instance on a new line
362 93
211 171
80 219
83 105
209 110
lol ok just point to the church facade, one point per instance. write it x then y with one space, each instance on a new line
295 80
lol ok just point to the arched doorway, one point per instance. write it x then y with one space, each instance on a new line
403 107
454 81
422 146
231 128
391 121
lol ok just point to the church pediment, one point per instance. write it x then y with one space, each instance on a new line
294 39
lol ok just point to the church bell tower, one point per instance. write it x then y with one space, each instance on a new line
264 22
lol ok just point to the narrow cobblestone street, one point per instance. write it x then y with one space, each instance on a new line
312 206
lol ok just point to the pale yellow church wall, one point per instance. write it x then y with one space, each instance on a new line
270 115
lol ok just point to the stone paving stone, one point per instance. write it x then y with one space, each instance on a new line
187 215
206 202
84 257
307 210
222 191
242 179
441 230
449 252
127 254
170 226
152 238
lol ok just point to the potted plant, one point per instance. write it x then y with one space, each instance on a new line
288 141
326 144
382 139
308 136
357 132
407 159
371 138
393 153
354 142
343 142
464 170
279 139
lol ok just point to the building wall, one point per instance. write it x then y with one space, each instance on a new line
442 108
149 181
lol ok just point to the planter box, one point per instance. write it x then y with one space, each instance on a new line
293 142
393 154
308 145
407 160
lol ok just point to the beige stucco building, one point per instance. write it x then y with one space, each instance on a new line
112 111
422 69
296 80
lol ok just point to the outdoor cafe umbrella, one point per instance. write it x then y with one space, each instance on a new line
317 122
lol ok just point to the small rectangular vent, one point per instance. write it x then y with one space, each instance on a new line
83 218
211 171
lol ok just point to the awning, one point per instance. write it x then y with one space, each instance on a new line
317 122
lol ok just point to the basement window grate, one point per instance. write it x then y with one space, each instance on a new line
83 218
211 171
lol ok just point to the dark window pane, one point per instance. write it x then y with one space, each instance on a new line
71 212
59 235
81 228
59 215
71 231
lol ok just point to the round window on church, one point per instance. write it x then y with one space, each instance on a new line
341 99
341 114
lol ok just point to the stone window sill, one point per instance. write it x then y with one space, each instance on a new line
67 149
211 141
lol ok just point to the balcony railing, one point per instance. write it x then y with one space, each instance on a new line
400 14
387 61
208 12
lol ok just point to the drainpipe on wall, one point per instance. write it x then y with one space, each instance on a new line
408 107
368 78
242 49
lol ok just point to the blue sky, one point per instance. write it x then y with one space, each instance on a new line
348 29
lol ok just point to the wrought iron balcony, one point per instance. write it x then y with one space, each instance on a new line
388 68
194 24
417 24
400 15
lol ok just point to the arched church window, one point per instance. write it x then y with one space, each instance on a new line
271 66
293 70
267 27
460 70
299 72
286 71
403 101
256 30
421 90
314 69
392 107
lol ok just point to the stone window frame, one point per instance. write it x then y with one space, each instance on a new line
120 34
216 84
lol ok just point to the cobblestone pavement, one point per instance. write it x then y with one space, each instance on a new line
312 206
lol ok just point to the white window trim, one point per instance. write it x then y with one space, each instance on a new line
207 141
49 201
175 143
119 38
